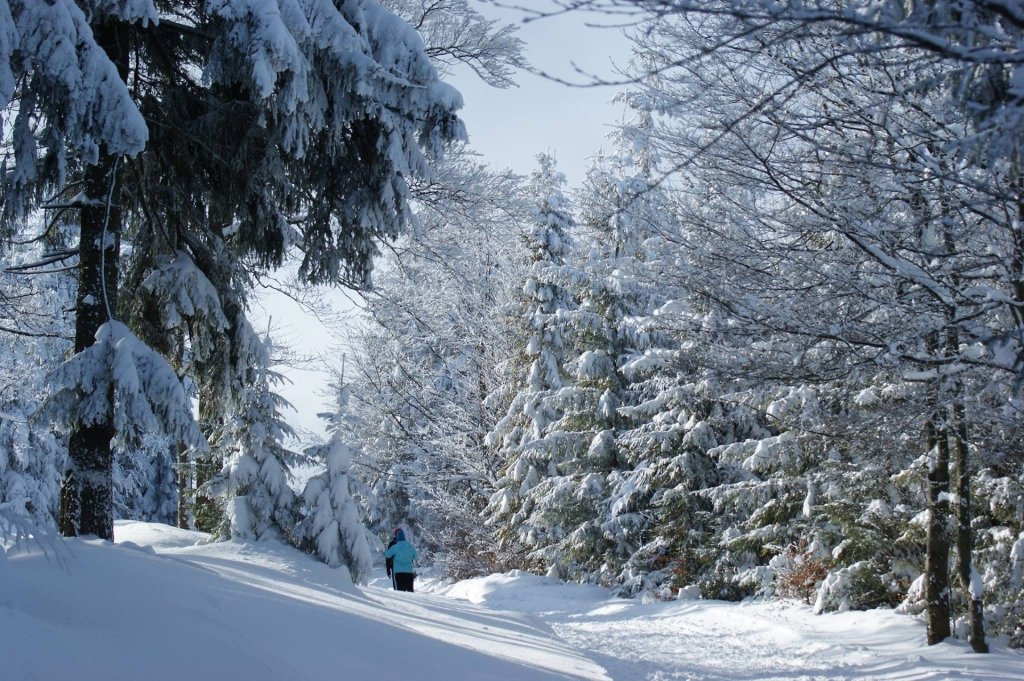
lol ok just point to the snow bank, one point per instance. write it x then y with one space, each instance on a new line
524 592
165 606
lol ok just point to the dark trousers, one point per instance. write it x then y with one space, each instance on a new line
403 580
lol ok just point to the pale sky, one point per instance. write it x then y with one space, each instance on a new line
508 128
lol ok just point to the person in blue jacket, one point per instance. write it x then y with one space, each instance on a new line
402 554
388 561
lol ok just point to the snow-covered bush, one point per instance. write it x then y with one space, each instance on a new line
145 480
31 464
32 458
333 527
999 550
837 592
860 586
801 571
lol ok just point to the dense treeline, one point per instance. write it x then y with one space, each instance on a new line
770 347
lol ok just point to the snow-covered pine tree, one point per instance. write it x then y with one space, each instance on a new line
74 117
30 467
356 112
177 301
998 486
537 504
240 488
143 485
897 185
638 382
146 480
600 336
333 528
742 413
121 381
32 458
253 487
63 100
623 213
270 105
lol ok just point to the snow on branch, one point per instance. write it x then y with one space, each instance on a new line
147 395
185 292
8 44
97 107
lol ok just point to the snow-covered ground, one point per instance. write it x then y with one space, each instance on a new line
718 641
159 606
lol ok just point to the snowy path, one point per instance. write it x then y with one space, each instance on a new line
716 641
162 607
391 632
711 642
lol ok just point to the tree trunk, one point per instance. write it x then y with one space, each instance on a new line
87 493
937 613
964 535
1017 255
87 501
184 486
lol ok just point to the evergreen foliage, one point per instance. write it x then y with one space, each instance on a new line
31 458
781 357
211 138
334 524
539 500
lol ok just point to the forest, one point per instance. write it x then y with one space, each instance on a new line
772 345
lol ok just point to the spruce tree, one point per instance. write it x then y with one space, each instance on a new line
530 438
333 528
272 128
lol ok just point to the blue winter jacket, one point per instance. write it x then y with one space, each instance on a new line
403 555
